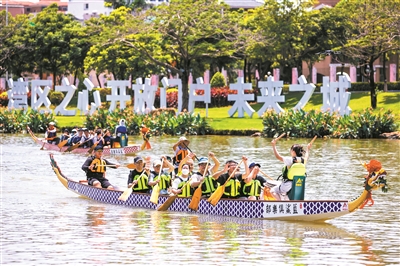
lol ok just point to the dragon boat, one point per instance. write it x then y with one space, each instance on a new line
293 210
128 150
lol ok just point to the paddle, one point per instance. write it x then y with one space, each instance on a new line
266 175
194 203
125 195
130 165
190 150
315 137
73 147
155 193
171 199
62 143
283 134
93 147
44 142
216 196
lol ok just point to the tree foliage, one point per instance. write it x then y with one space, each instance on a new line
370 29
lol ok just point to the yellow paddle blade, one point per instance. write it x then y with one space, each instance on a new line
62 143
124 196
167 203
154 194
216 199
143 146
216 196
194 203
131 165
267 194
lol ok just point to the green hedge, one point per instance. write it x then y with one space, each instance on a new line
316 123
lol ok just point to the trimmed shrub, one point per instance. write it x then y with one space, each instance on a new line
56 97
218 80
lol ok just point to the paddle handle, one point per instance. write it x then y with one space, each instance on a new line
281 136
266 175
233 173
190 150
312 141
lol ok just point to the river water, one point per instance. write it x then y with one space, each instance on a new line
42 223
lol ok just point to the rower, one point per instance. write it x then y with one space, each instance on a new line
204 176
51 134
95 168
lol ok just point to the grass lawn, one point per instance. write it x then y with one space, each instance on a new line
219 119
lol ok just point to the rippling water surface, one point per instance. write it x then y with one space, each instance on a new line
42 223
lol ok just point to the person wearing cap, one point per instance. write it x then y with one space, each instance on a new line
138 178
98 139
181 150
121 132
204 176
179 185
257 174
161 176
95 167
232 187
77 137
188 160
51 134
65 135
107 138
251 186
86 139
74 132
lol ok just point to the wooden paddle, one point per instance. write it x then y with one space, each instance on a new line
130 165
62 143
190 150
171 199
73 147
93 147
315 137
155 193
266 175
44 142
267 194
282 135
194 203
216 196
125 195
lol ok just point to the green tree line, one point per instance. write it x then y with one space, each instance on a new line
190 36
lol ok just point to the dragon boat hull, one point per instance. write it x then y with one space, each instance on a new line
307 210
128 150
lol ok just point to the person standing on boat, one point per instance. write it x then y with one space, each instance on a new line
95 167
51 134
297 155
163 179
181 150
180 186
138 178
208 184
121 132
233 185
